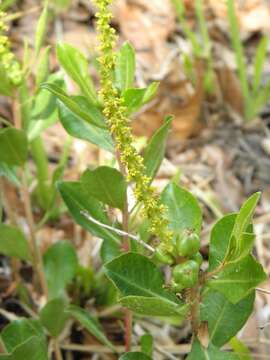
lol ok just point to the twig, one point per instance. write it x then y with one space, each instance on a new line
265 291
57 350
117 231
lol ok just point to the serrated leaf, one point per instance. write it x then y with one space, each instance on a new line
135 356
155 150
41 29
32 349
216 310
90 323
77 201
106 184
76 66
238 279
60 265
53 316
13 146
91 116
78 128
125 67
136 276
183 209
13 243
19 331
198 352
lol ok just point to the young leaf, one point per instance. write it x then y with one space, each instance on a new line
19 331
155 150
43 68
53 316
77 201
125 67
141 283
238 279
76 66
90 323
216 310
106 184
241 244
134 356
60 264
198 352
41 29
13 146
77 127
183 209
14 243
32 349
240 349
150 92
92 116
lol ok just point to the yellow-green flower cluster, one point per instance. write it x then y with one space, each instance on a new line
115 111
8 63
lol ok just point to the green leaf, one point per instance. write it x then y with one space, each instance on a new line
19 331
153 306
141 284
6 86
53 315
9 172
220 239
238 242
32 349
77 127
44 108
133 99
106 184
13 146
90 323
41 29
92 116
183 209
134 356
216 310
259 62
238 279
198 352
125 67
13 243
76 66
43 68
60 264
147 343
155 150
241 349
150 92
77 201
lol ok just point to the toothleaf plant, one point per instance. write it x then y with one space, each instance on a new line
143 231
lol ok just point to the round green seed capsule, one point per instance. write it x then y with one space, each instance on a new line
186 274
187 244
198 258
163 257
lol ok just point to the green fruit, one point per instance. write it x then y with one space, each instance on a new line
186 274
198 258
163 257
187 244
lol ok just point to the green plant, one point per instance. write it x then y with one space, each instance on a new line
201 45
255 94
99 202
